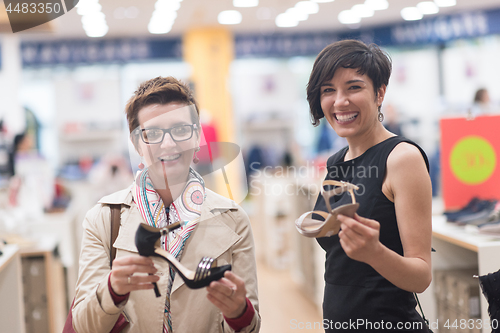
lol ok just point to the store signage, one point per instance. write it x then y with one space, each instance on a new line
282 45
434 30
470 152
445 28
103 51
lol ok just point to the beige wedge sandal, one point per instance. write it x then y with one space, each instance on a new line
313 228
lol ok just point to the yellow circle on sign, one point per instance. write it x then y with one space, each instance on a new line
473 160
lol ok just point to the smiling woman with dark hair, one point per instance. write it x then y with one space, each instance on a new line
378 223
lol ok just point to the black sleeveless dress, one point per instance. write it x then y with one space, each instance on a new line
357 298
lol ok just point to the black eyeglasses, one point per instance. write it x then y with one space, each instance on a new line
177 133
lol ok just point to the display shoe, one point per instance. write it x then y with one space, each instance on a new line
148 243
451 216
475 206
489 213
491 228
310 227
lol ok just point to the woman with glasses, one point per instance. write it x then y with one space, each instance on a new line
211 231
379 217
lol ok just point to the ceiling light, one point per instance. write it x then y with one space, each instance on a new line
169 1
348 17
445 3
95 18
94 27
167 5
308 7
159 28
229 17
427 7
162 21
95 33
362 10
245 3
411 14
163 16
286 21
322 1
297 14
86 3
89 8
377 4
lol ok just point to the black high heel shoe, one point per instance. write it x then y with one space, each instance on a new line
147 241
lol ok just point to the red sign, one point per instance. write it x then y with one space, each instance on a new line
470 153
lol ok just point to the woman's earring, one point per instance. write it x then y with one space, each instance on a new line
380 114
195 158
141 165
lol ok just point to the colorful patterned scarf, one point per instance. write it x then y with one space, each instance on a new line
185 209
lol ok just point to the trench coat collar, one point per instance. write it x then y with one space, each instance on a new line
214 201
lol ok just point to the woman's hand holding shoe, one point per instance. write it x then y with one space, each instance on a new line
122 277
229 295
359 237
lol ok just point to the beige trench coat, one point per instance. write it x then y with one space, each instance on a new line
223 232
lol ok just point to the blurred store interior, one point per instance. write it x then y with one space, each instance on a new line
64 140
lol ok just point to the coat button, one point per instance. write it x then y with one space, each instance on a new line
160 273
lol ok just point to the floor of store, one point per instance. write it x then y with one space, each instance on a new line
283 306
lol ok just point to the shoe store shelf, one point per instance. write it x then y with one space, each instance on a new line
460 248
11 291
462 236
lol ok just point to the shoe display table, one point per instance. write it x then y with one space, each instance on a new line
11 291
43 286
465 237
459 247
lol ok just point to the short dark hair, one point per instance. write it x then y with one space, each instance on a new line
160 90
479 96
349 53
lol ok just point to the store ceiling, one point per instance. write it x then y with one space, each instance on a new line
261 19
